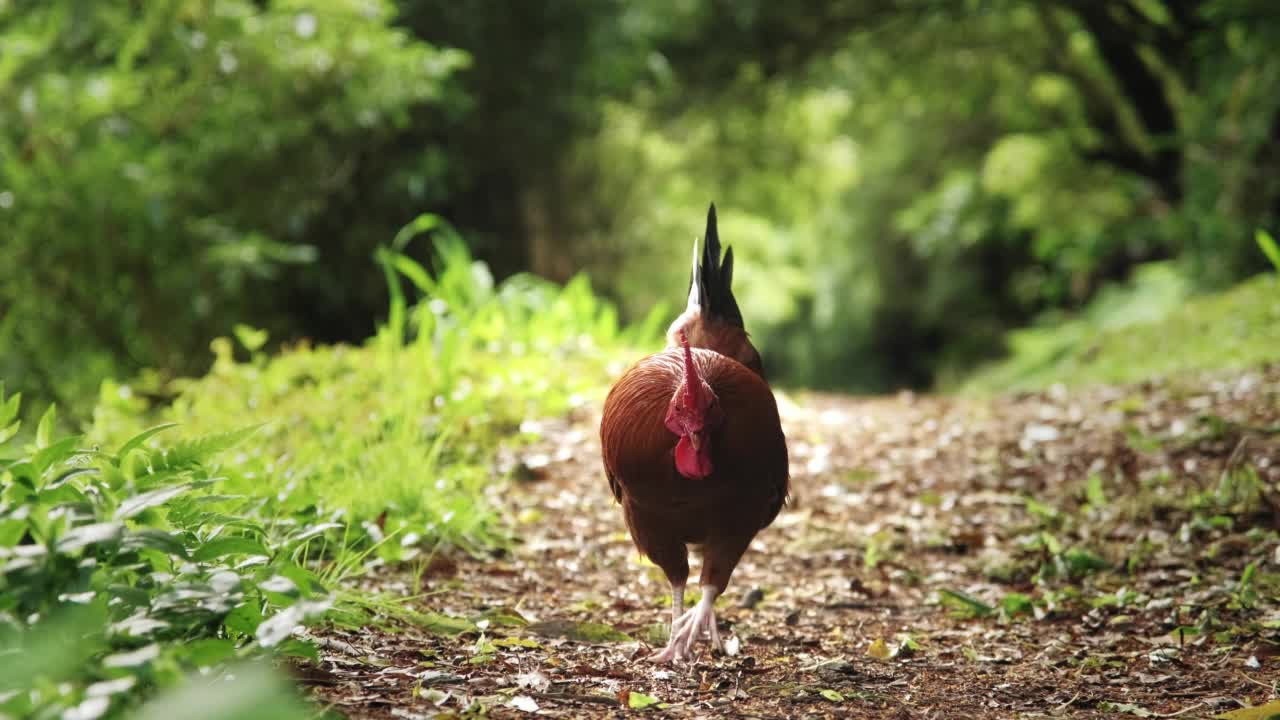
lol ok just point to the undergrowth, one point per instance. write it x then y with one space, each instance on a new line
1151 328
130 558
123 569
398 436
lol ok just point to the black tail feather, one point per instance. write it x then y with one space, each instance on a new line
715 293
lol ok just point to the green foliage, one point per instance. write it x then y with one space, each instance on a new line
1150 328
121 572
181 170
1267 244
964 605
399 436
900 217
164 166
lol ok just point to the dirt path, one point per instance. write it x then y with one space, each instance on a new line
941 558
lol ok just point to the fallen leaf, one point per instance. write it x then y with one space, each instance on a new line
638 701
732 646
534 680
879 649
832 695
525 703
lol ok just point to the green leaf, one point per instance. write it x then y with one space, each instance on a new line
7 433
832 695
136 504
1082 562
306 580
137 440
11 531
52 454
1014 604
1045 513
66 476
9 410
250 337
203 448
963 604
501 617
639 701
516 642
299 648
44 431
86 535
208 651
414 272
423 223
440 624
1093 491
155 539
244 619
1268 246
219 547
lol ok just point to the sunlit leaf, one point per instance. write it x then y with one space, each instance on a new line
138 503
250 337
85 535
639 701
44 430
219 547
963 604
1269 247
137 440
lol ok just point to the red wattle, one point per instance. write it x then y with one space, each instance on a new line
691 463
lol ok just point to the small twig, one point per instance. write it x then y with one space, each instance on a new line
1065 705
1258 682
1187 709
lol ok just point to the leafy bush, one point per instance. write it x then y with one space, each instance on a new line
405 428
166 166
121 571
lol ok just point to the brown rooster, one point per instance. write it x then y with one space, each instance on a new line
693 447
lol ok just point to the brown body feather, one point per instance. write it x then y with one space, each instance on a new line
665 511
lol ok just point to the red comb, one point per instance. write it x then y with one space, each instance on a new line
692 382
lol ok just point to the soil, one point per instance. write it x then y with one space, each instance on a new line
1106 552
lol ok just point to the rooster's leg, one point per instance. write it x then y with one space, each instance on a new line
690 626
677 605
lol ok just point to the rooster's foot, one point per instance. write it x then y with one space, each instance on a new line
688 628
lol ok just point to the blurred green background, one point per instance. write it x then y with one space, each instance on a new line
906 181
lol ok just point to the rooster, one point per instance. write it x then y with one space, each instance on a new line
693 447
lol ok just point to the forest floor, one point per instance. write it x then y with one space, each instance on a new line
1108 552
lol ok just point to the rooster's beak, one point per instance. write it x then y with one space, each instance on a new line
695 439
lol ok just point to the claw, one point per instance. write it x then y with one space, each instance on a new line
688 628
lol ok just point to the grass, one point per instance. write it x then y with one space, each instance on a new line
1151 328
132 558
399 436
